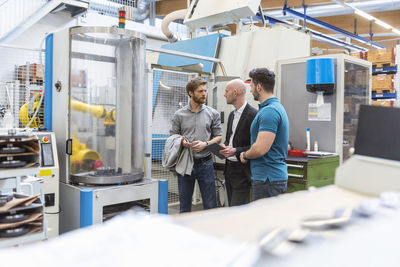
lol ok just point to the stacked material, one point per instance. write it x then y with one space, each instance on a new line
381 58
383 83
31 73
20 215
19 150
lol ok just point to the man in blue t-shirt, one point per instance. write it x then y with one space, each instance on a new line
269 138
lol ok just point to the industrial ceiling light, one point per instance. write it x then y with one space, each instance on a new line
368 17
329 39
363 14
396 31
377 21
383 24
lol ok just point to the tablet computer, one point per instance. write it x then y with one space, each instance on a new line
215 148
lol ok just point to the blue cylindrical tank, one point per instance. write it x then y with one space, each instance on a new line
320 75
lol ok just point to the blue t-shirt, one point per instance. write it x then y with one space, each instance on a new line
271 117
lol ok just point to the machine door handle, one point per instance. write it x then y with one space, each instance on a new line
68 147
295 166
295 175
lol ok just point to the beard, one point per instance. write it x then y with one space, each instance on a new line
199 100
256 95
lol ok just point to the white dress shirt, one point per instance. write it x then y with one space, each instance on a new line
236 117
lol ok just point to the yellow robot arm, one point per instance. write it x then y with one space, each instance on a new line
82 158
94 110
28 109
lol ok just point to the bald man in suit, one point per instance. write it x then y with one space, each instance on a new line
237 175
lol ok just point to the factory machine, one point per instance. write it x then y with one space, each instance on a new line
375 166
324 94
49 172
21 193
97 105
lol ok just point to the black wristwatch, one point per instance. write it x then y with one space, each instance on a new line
244 155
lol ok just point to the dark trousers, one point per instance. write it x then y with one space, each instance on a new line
204 173
267 189
237 184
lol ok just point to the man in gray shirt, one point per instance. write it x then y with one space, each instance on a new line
199 125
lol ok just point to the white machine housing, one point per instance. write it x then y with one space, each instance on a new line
338 133
254 47
50 173
369 175
210 12
61 44
82 205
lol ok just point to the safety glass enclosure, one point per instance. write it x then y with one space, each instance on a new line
106 105
356 93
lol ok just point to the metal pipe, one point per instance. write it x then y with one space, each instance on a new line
262 17
152 16
178 14
141 12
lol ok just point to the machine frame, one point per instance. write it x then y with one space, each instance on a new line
82 205
341 59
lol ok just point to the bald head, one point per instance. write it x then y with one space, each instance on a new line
235 92
238 85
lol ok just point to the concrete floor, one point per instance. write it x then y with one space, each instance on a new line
175 208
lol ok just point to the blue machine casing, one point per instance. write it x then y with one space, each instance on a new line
320 75
86 208
48 104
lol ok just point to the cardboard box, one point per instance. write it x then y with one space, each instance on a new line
78 78
383 82
360 55
381 56
35 73
384 103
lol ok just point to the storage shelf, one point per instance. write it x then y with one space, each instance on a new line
384 96
14 172
385 70
28 238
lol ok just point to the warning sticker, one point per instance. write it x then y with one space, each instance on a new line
319 113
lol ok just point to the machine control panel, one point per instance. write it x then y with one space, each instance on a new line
46 150
49 172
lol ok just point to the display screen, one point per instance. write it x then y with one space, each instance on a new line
377 133
47 155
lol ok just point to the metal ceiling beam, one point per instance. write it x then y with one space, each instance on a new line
383 34
332 28
318 35
328 10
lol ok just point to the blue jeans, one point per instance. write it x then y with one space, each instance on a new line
267 189
204 173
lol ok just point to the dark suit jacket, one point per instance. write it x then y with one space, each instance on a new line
241 140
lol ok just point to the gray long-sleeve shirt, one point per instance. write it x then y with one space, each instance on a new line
203 125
